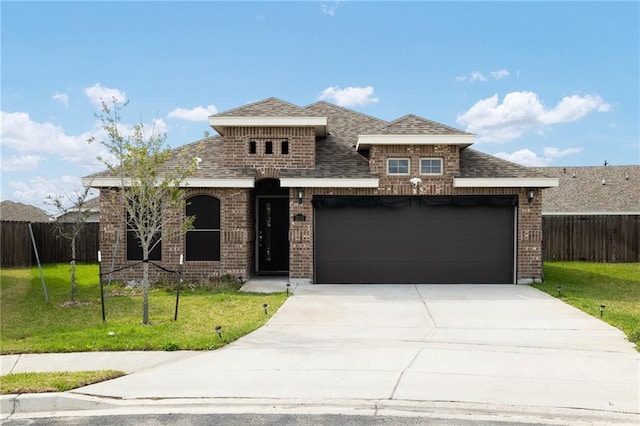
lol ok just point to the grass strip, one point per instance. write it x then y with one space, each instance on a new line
59 381
587 286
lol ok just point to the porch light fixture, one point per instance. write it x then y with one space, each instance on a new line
530 194
300 192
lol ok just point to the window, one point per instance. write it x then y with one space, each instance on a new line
268 147
203 240
134 249
284 147
252 147
398 166
431 166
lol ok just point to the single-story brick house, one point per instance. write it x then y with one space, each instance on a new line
325 194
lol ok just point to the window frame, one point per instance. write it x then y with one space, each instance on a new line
439 159
197 256
390 173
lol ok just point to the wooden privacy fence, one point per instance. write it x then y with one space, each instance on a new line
592 238
17 250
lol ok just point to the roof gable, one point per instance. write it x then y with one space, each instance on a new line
412 124
270 107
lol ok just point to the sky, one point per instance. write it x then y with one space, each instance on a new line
538 83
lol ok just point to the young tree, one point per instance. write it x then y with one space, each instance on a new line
149 184
70 223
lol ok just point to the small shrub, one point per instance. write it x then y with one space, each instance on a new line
170 347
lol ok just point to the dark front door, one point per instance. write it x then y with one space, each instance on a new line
273 234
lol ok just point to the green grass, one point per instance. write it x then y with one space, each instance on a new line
59 381
29 325
589 285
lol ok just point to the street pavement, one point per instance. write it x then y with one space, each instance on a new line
385 348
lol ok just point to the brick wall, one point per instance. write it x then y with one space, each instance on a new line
236 239
431 184
301 142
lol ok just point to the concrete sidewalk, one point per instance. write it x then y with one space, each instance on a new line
505 346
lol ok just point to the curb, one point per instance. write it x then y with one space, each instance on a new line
68 404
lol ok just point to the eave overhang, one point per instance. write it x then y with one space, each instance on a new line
365 141
108 182
220 123
330 182
505 182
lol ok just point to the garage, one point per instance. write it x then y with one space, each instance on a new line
414 240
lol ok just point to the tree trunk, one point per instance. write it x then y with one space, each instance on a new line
74 287
145 286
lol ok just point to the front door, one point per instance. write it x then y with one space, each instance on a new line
273 234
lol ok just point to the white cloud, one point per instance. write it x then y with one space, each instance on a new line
26 136
35 190
20 163
551 152
330 10
573 108
62 97
350 96
522 112
198 113
500 74
479 76
97 94
523 156
529 158
476 76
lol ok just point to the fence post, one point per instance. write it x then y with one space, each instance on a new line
35 249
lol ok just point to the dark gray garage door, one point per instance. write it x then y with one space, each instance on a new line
438 240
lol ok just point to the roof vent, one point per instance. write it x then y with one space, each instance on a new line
626 176
574 174
603 182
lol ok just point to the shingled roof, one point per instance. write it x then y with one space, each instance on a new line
19 212
270 107
476 164
336 156
413 125
592 190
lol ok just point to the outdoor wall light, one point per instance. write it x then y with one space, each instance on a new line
300 192
530 194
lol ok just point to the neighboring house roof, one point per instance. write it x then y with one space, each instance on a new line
19 212
336 154
90 206
582 190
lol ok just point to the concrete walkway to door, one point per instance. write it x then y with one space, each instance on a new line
505 345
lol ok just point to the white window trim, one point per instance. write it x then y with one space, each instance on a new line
399 174
432 158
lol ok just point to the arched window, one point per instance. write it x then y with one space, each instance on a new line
203 240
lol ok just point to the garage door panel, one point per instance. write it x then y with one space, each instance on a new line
414 244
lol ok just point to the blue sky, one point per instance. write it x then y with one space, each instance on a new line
544 83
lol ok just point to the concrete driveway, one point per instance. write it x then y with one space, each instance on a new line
495 344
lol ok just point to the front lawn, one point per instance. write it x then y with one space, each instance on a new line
588 285
30 325
59 381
